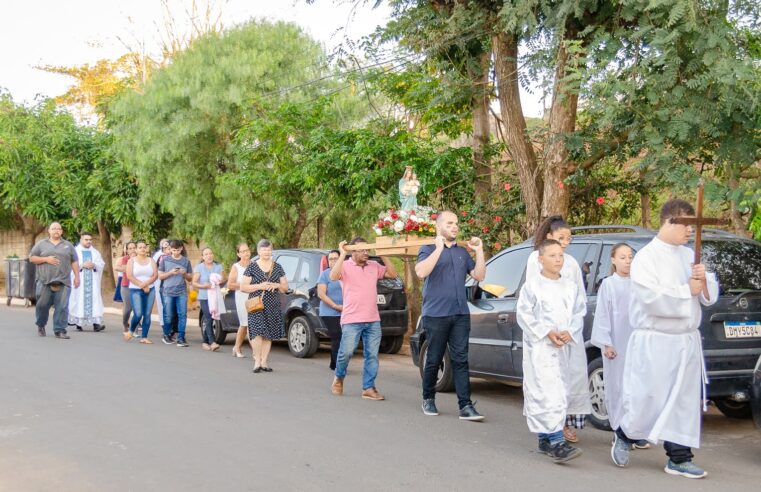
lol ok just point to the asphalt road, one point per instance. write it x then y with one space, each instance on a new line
96 413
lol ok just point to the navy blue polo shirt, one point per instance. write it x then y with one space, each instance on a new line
444 288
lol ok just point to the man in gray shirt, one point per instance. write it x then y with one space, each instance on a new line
56 260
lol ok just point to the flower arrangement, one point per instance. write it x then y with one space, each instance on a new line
420 221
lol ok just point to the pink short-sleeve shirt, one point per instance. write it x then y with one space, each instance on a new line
360 291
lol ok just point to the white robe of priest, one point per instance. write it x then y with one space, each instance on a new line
550 388
578 388
86 302
611 328
664 360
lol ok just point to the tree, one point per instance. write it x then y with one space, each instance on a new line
178 134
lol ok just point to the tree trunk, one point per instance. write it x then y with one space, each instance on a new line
320 230
520 149
298 227
644 198
109 283
414 297
565 100
30 227
739 226
479 76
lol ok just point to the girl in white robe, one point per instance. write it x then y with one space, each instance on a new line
579 404
611 330
550 307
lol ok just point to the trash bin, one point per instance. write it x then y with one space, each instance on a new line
19 280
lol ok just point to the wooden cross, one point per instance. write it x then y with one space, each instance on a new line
698 221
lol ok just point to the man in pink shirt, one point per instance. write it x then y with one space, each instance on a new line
359 317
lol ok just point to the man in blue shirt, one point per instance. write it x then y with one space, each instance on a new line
445 317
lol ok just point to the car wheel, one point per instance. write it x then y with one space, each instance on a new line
445 378
599 415
391 344
734 409
302 340
219 333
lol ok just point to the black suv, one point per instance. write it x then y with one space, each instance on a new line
303 326
731 328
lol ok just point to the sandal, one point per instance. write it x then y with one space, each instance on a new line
127 336
570 434
146 341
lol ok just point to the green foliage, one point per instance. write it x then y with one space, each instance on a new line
52 169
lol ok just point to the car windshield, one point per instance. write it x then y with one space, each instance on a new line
737 264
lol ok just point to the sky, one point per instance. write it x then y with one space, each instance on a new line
75 32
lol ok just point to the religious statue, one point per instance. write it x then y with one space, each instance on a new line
408 189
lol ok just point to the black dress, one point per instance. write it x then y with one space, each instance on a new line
267 323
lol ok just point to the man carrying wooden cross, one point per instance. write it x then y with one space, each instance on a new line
664 372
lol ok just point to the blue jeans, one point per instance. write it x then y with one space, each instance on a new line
175 306
370 333
58 300
207 323
142 304
553 437
440 332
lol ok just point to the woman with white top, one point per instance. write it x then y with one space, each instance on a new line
142 273
234 281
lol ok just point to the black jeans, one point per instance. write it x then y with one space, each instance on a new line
451 331
333 324
676 452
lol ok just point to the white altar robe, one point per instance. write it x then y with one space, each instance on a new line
86 301
550 386
578 396
611 327
664 360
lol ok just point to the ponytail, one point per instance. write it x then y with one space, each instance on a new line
550 225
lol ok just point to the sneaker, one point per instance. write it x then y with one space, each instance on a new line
337 388
562 452
372 394
214 347
619 452
544 446
205 346
641 444
173 337
167 340
429 407
687 469
62 335
468 412
41 331
182 343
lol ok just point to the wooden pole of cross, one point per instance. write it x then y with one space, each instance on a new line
698 221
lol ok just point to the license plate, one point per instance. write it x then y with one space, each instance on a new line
742 329
381 299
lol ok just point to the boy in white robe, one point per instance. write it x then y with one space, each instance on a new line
550 312
86 301
664 362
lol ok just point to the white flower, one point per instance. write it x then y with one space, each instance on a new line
398 226
378 232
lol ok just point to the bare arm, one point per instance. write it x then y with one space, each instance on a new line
232 279
322 293
425 267
479 272
335 272
390 270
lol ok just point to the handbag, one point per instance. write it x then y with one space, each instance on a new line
256 304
